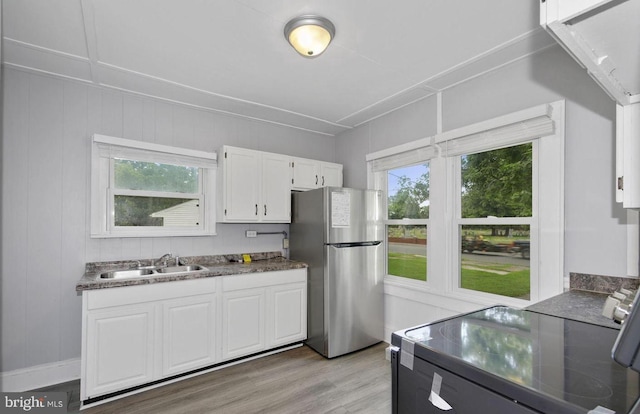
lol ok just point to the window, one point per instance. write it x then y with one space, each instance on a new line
141 189
491 213
407 218
494 224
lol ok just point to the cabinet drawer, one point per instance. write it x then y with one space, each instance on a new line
127 295
265 279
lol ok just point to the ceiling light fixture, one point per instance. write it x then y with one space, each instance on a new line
309 35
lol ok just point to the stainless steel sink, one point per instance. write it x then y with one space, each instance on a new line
150 271
182 269
127 274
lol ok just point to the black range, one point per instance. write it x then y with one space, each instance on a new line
504 360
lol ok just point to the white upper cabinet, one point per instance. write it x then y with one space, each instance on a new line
628 155
310 174
256 186
604 37
306 174
331 174
276 188
240 176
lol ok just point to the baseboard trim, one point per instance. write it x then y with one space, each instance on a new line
40 376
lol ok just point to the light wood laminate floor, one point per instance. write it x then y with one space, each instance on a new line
294 381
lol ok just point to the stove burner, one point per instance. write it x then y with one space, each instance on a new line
573 383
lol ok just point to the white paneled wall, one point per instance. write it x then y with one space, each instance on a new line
48 123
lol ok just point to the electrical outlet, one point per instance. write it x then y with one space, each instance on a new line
285 243
251 233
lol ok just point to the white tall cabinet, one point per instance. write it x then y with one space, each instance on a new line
135 335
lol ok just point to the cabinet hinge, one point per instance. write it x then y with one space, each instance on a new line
292 181
225 211
621 183
225 154
292 164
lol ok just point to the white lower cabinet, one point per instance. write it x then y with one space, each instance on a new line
287 311
135 335
188 327
243 317
263 311
119 351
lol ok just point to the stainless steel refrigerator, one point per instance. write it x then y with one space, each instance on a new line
339 233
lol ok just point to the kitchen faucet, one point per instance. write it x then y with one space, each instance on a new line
165 258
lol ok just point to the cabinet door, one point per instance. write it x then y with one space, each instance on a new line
241 185
276 188
306 174
119 348
331 175
287 314
243 322
628 155
188 331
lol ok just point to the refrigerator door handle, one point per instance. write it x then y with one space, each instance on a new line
355 244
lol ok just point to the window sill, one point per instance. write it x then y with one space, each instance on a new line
152 234
460 300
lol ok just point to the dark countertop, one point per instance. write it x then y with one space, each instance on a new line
220 265
579 305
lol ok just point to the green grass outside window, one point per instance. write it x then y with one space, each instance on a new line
515 284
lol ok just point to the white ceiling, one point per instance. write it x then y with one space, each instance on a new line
231 55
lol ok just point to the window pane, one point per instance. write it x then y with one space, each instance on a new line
497 183
149 176
495 259
408 192
407 251
156 211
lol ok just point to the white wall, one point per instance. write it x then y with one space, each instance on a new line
45 188
595 227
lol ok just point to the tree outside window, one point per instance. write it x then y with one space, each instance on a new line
408 201
496 186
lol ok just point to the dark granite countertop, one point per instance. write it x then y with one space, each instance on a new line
219 265
579 305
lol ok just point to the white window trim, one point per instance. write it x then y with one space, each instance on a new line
103 151
547 229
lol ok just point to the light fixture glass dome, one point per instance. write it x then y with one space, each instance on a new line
309 35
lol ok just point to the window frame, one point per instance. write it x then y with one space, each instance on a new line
105 150
404 222
458 221
547 221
